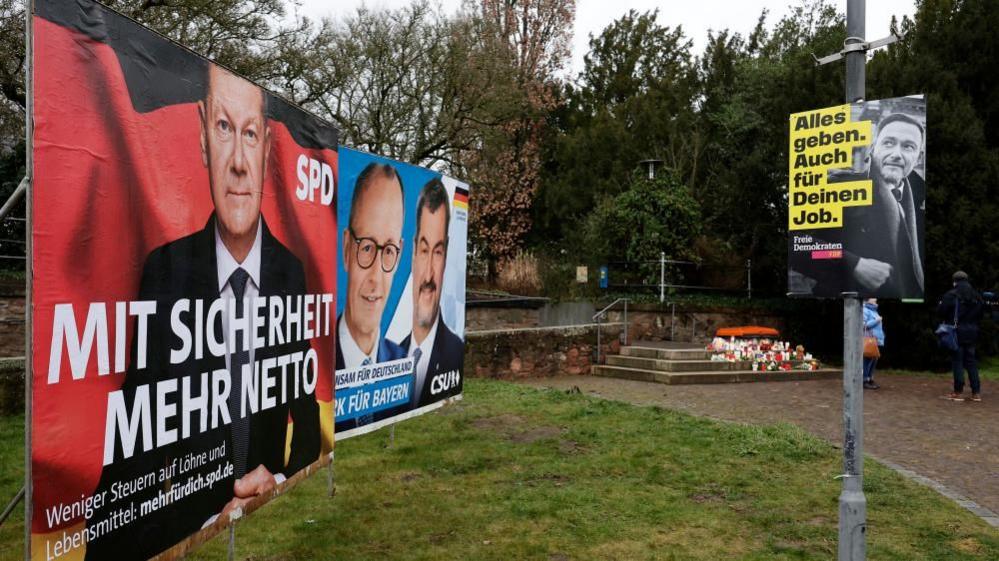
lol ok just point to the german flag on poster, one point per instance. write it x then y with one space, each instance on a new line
461 198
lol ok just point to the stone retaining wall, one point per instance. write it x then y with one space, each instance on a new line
11 325
537 352
11 385
697 324
481 318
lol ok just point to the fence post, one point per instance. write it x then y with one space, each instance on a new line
598 338
662 276
625 321
672 322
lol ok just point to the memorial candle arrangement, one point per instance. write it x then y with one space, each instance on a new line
766 355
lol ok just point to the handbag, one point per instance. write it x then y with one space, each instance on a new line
947 333
871 349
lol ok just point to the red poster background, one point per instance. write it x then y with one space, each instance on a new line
110 185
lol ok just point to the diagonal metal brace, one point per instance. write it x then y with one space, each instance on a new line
15 198
855 44
10 506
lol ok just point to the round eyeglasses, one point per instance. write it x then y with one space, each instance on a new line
366 250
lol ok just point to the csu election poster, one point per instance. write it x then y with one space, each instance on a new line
183 290
857 199
400 317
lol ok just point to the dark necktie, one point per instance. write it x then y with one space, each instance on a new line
414 396
911 237
240 425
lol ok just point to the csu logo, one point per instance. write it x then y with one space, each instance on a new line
444 382
314 177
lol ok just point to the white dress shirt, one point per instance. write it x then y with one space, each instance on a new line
425 351
353 356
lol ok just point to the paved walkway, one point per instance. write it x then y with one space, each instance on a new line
906 422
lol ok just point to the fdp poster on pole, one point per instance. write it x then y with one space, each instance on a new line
857 199
183 290
400 320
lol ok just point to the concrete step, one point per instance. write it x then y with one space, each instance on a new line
712 377
665 354
675 365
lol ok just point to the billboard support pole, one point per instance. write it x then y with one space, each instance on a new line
29 93
852 502
662 276
232 540
331 488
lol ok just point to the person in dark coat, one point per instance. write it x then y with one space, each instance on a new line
964 304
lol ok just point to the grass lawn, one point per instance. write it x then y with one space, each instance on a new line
517 473
988 370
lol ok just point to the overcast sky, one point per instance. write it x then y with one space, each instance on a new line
696 16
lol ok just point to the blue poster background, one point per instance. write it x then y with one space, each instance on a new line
444 366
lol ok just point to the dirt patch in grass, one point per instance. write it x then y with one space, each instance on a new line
535 434
516 429
409 476
701 498
968 545
555 479
569 447
503 424
439 538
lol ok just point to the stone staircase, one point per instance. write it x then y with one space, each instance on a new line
693 366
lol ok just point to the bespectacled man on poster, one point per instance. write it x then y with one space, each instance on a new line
436 350
372 248
234 258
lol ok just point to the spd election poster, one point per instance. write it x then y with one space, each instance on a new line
183 290
857 199
400 320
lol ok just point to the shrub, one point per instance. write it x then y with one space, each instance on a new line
519 274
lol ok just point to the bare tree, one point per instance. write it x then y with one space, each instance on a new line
409 83
534 37
249 36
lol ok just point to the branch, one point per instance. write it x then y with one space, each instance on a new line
12 92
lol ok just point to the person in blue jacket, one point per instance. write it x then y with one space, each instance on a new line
872 328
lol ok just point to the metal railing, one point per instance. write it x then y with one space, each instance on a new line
676 275
597 317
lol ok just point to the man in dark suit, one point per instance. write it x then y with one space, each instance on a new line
372 247
438 352
882 242
234 258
